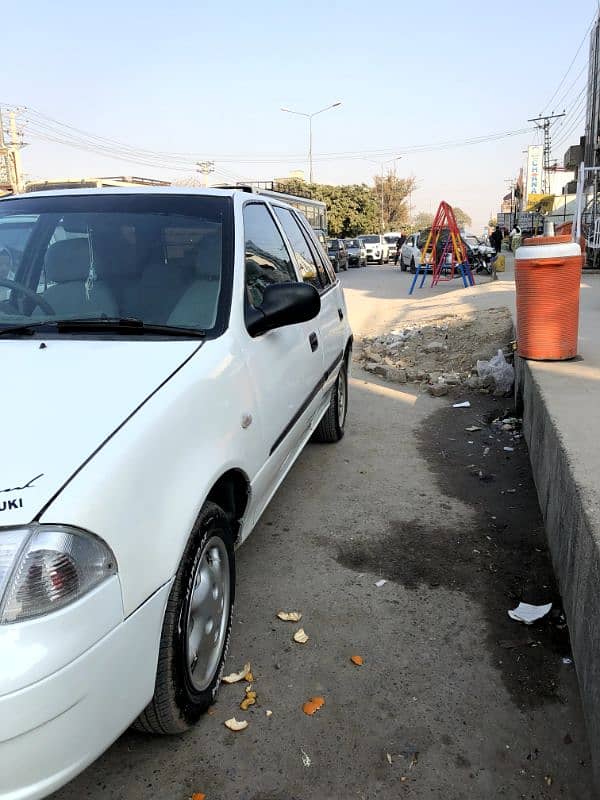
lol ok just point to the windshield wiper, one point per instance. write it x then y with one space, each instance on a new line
131 325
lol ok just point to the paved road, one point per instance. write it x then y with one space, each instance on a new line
467 703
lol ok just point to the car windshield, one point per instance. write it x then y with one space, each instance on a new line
163 260
473 241
352 242
370 239
391 239
333 244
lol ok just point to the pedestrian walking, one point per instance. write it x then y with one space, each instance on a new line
496 239
399 243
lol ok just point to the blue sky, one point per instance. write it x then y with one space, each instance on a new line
210 78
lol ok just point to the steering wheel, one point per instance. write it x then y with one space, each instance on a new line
37 299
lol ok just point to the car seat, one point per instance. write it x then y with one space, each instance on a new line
197 307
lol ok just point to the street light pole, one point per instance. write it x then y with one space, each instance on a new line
310 119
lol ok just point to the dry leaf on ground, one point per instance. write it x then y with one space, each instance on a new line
300 636
198 796
268 712
389 757
289 616
235 677
313 705
249 699
249 677
358 660
234 725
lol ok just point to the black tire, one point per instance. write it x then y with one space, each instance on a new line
331 427
177 704
381 260
413 267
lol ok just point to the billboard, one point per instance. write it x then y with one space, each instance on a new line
535 170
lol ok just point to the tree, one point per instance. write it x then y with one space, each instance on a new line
422 220
463 220
351 209
390 194
492 222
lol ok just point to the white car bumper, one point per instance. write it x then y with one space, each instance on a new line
50 730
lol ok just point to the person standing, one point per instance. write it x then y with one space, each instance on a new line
400 241
496 239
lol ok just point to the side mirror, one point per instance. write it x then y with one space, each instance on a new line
283 304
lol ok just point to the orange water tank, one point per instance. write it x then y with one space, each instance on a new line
547 276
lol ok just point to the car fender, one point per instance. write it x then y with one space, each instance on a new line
142 491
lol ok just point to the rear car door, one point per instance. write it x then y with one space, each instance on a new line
286 364
311 261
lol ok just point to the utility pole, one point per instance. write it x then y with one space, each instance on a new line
544 123
512 198
11 174
205 168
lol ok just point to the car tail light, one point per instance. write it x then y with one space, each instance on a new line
45 567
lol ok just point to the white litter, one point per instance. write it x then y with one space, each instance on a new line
509 449
380 583
527 613
567 660
464 404
501 371
305 758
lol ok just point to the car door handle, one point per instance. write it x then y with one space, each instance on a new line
314 341
340 313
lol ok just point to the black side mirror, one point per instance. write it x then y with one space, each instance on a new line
283 304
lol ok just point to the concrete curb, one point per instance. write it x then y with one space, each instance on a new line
573 539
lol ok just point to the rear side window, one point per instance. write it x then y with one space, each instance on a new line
311 269
267 258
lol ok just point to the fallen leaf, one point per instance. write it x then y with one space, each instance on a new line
358 660
198 796
268 712
289 616
234 725
313 705
249 677
389 758
235 677
249 699
300 636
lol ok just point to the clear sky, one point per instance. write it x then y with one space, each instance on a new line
210 78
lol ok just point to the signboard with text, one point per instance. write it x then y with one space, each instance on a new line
535 171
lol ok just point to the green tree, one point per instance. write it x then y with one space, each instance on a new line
351 209
422 220
462 218
391 195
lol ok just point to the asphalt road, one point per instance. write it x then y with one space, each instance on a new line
454 699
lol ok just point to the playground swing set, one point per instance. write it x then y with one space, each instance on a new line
444 251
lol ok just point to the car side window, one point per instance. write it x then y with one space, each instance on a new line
266 256
305 258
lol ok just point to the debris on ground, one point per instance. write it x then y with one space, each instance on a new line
380 583
235 677
301 637
358 660
313 705
473 428
249 699
464 404
268 713
234 725
198 796
500 370
289 616
389 758
527 613
443 352
305 758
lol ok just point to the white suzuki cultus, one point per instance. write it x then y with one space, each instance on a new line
165 356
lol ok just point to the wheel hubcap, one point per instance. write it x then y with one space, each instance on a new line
208 613
341 397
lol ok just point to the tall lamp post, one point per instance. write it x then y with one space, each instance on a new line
310 119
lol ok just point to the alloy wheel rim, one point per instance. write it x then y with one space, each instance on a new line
207 614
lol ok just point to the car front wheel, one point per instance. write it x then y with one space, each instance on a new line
331 427
196 628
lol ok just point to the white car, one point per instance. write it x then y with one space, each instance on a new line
164 365
410 254
377 248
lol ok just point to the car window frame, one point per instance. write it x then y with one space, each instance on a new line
322 257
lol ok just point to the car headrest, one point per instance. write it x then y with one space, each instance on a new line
117 256
209 259
68 260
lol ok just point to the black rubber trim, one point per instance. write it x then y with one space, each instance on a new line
116 430
306 403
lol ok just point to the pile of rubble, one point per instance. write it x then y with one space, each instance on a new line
453 350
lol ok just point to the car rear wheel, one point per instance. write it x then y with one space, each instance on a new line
331 427
196 628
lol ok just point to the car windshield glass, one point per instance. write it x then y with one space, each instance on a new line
162 259
391 239
352 242
371 239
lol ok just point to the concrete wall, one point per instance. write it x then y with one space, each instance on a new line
574 539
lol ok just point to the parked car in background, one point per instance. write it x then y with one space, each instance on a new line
338 255
478 244
357 252
392 240
377 248
410 254
173 351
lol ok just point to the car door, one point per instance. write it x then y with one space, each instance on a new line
332 327
285 365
